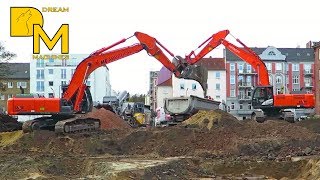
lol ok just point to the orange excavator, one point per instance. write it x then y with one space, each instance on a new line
263 97
77 97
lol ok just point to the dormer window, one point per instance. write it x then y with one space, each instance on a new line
271 53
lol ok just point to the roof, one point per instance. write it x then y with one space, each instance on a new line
17 70
166 83
292 54
316 44
163 75
212 63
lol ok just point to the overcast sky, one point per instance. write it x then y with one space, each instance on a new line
179 25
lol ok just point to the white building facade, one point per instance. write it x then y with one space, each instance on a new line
47 77
184 88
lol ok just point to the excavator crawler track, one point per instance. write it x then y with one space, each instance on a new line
77 124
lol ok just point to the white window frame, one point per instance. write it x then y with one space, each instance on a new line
295 79
10 84
232 93
295 67
232 67
218 75
232 79
218 87
23 84
269 66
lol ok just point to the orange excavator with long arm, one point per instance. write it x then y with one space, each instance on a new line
263 97
77 97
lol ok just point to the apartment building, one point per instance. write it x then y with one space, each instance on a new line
17 81
316 47
152 94
290 70
47 77
170 86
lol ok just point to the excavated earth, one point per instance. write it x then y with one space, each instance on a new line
211 144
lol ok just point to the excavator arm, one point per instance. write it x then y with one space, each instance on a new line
244 53
102 57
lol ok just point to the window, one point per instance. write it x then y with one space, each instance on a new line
63 73
240 80
307 68
51 60
10 96
88 83
240 68
217 75
194 86
232 67
217 97
50 83
63 83
50 95
22 84
278 66
232 79
217 86
269 66
40 86
278 79
271 53
232 93
50 71
72 72
295 90
40 74
232 105
40 63
249 93
181 86
279 91
241 95
307 81
249 69
10 84
240 106
295 67
249 80
64 62
295 79
249 106
2 97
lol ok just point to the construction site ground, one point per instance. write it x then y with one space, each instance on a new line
209 145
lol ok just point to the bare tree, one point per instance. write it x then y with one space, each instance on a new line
5 57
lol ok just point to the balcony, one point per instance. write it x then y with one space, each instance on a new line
242 84
308 85
243 98
247 72
308 72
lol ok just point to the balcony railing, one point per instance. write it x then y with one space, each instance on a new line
246 71
244 84
308 72
308 85
244 98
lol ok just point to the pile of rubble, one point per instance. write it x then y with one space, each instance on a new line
8 123
108 119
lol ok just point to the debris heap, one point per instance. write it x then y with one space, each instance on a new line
108 119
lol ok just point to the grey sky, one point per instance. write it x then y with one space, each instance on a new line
179 25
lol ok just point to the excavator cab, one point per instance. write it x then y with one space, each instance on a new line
262 97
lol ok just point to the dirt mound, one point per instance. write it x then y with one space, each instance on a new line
8 123
108 119
312 124
209 119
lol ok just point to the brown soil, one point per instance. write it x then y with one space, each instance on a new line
108 119
210 144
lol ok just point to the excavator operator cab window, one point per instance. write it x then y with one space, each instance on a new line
262 96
